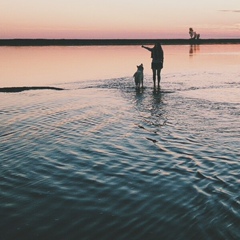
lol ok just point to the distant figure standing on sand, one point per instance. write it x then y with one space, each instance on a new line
157 61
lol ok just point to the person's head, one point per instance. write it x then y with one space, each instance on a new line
157 45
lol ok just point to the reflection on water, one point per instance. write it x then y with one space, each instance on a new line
194 49
102 160
41 66
51 65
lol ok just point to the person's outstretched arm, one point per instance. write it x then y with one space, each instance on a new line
148 48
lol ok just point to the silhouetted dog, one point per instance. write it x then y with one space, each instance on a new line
138 76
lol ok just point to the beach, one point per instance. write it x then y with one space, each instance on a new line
86 155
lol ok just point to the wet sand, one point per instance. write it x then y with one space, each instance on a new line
21 89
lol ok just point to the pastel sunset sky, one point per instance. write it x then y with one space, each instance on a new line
119 19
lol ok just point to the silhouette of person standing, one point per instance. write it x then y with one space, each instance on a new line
157 61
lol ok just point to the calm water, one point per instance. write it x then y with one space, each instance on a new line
101 160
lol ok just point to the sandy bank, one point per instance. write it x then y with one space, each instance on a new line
21 89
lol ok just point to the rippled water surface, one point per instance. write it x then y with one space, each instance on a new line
102 160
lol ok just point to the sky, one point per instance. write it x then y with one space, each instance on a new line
110 19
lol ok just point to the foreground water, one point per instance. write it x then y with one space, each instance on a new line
102 160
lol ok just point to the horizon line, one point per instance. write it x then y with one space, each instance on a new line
112 41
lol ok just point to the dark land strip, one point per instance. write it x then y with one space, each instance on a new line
21 89
105 42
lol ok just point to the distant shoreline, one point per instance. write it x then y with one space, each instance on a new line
109 42
21 89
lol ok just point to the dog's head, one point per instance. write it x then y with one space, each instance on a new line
140 67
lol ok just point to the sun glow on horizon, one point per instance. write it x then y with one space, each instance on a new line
123 19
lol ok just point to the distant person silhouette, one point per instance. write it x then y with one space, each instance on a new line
193 35
157 61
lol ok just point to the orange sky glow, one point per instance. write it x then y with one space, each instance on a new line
119 19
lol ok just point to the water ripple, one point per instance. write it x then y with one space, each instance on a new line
110 162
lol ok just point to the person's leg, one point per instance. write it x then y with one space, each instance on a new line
159 76
154 77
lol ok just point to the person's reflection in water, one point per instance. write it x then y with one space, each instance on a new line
158 111
157 96
194 48
150 108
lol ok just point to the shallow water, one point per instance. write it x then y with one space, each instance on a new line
102 160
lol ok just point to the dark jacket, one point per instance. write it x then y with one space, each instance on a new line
156 53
